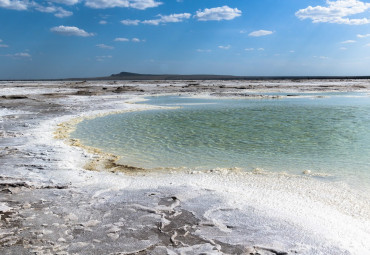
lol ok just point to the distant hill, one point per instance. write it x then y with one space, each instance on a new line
123 74
138 76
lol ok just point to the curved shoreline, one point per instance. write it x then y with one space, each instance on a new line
105 161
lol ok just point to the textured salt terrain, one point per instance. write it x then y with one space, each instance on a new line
50 204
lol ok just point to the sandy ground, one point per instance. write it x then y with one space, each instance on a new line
51 204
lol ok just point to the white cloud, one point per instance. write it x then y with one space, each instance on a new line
23 5
130 22
200 50
224 47
70 31
19 5
260 33
249 49
24 55
348 41
47 9
144 4
137 4
121 40
102 58
292 51
261 49
66 2
104 46
103 22
367 45
61 13
336 12
218 13
343 48
173 18
363 36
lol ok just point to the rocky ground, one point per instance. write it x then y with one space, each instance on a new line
49 204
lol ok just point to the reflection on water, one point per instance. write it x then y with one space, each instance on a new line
325 135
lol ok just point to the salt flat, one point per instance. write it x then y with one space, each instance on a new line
51 204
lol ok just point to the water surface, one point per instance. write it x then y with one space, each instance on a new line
329 135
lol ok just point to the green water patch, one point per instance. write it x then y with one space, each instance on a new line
329 135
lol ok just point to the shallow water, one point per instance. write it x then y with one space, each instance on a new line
328 136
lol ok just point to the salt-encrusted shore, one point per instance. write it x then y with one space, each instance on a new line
52 203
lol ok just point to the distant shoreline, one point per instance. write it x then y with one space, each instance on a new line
167 77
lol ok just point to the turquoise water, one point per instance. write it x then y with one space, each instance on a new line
329 135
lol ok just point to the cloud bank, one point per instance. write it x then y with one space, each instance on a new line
218 13
336 12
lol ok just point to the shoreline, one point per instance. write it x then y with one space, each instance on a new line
120 213
104 161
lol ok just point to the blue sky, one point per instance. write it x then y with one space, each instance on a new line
89 38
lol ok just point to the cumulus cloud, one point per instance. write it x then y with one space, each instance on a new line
227 47
144 4
103 22
173 18
130 22
61 13
137 4
363 36
137 40
121 40
70 31
104 46
19 5
260 33
336 12
218 13
58 11
66 2
22 5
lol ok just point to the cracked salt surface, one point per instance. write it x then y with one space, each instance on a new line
51 205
